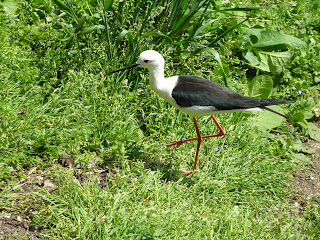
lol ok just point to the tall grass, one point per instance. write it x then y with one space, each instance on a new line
132 26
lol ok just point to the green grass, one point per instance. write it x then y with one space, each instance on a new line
56 96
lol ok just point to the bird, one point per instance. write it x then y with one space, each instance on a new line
197 96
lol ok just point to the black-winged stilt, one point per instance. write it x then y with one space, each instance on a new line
197 96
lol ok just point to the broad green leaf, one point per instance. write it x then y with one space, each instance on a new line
122 35
267 120
268 61
254 33
299 118
274 61
298 146
252 58
308 150
269 40
314 131
260 86
309 108
302 159
262 45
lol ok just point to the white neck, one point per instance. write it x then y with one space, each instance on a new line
156 78
161 85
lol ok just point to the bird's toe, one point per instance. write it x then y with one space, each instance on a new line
190 173
175 144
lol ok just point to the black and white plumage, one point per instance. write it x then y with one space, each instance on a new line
197 96
191 91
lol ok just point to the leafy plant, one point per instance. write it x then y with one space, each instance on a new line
260 86
179 24
268 50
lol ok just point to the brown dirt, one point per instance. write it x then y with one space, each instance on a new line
17 224
306 182
12 227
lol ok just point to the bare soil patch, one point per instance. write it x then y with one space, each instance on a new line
306 182
17 221
13 227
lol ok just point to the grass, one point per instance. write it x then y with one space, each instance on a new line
161 210
56 96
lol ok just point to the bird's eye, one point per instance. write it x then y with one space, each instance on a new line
146 61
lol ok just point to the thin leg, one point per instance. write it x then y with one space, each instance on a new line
179 142
198 148
199 138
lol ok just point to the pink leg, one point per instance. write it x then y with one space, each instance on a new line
190 173
199 138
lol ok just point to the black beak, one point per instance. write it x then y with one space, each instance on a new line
121 69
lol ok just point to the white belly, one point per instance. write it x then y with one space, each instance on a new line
207 111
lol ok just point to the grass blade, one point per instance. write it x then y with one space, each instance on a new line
216 55
212 43
67 9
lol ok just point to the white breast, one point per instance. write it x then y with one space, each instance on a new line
164 88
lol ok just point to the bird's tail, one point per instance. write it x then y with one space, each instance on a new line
268 102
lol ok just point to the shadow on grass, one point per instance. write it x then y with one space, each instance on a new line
168 173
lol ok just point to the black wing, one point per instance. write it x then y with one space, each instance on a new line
197 91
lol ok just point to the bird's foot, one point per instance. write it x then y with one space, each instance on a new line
190 173
175 144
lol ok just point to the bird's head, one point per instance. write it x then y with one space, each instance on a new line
149 59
